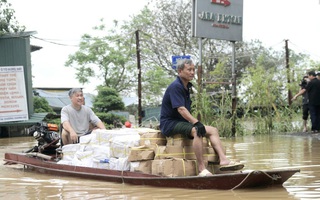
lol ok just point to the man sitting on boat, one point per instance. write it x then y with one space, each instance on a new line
176 118
76 118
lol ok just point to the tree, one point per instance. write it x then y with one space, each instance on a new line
113 58
108 99
164 29
41 105
110 58
8 22
158 42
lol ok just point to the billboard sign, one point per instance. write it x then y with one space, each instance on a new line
217 19
13 100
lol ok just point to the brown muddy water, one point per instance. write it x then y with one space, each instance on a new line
256 152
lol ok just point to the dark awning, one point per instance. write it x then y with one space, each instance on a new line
35 48
33 119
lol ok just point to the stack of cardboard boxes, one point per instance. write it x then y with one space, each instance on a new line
140 150
171 157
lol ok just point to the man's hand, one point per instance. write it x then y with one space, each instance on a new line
201 130
74 137
294 98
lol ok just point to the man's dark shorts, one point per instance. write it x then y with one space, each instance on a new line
183 128
305 111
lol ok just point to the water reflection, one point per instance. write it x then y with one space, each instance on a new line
257 152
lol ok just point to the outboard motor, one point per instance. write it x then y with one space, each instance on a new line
47 136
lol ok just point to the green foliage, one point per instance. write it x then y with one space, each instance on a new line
164 30
216 111
202 107
262 94
108 99
8 22
109 119
154 85
41 105
133 108
106 57
53 121
284 122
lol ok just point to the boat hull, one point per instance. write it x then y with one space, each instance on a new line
225 181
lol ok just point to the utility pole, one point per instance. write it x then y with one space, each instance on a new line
234 90
139 78
200 76
288 73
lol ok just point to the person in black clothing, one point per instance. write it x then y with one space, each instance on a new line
313 90
318 75
305 102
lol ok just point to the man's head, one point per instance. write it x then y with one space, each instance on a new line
311 75
76 97
186 69
181 63
304 81
318 74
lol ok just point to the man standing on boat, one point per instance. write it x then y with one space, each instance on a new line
176 118
76 118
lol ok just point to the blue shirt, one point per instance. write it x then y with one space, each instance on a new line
175 96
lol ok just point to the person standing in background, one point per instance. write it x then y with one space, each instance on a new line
313 90
305 102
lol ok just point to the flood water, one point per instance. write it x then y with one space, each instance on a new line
256 152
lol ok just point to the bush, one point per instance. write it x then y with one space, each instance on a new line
111 120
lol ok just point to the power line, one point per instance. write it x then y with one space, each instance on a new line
56 43
304 51
72 45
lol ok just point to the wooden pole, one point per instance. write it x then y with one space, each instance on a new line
288 73
200 89
139 78
234 92
200 77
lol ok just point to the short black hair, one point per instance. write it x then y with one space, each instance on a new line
303 82
312 73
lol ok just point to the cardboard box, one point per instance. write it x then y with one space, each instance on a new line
160 152
208 154
141 166
213 168
185 152
140 154
174 167
165 152
142 130
152 138
180 140
176 152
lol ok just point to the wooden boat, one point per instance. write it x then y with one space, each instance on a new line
233 180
